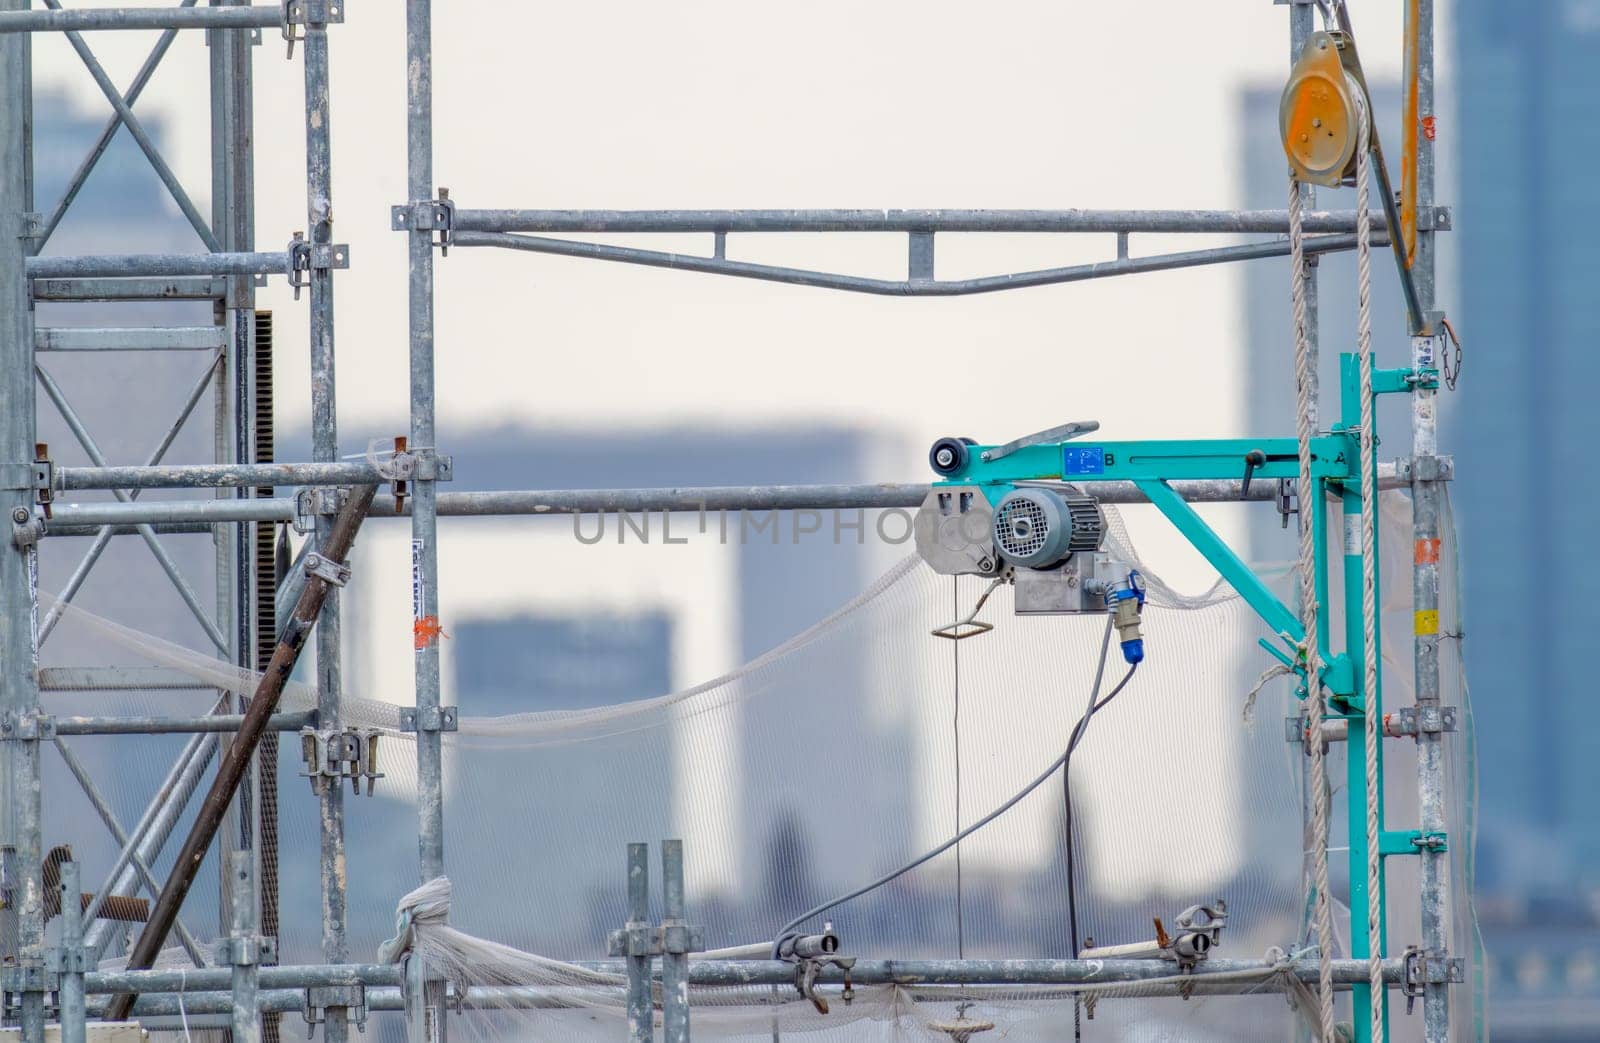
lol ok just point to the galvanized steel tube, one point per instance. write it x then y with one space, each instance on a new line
22 919
867 220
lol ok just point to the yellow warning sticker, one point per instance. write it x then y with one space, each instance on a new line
1427 622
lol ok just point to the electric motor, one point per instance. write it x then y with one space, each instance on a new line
1038 528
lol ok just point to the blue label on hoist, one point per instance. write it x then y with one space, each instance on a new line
1083 459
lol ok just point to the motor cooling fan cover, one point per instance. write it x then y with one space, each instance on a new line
1037 528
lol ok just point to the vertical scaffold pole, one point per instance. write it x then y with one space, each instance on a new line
424 503
325 449
1425 500
641 1014
674 964
74 1027
245 939
23 921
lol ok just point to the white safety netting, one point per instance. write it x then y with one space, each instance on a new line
848 751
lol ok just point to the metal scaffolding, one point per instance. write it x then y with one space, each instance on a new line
249 488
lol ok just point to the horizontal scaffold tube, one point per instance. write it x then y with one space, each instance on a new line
121 265
77 518
260 16
765 972
622 221
227 722
205 995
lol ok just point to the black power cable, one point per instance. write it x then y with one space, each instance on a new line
1095 706
1010 803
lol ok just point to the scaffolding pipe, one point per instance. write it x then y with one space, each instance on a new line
1426 500
70 517
325 450
260 16
112 266
203 724
244 944
22 915
1119 221
771 972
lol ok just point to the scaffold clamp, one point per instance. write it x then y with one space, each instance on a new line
297 14
426 215
433 719
334 572
319 999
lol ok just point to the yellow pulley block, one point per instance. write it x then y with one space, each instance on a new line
1318 114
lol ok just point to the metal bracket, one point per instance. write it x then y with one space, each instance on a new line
29 974
1410 842
261 950
300 13
332 571
1426 720
1423 968
319 999
647 940
1287 500
28 727
63 960
44 474
305 257
440 719
332 754
807 971
427 215
26 528
1426 468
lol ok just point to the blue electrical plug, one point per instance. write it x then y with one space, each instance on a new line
1125 600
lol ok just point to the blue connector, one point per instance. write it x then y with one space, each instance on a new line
1125 601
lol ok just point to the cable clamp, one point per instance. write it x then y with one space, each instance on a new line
319 999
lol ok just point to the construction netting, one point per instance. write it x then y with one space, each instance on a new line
848 751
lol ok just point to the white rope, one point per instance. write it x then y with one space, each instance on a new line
1369 574
1312 659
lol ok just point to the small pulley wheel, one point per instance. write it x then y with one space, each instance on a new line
949 455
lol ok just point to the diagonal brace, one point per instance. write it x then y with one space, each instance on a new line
234 763
168 566
135 128
103 537
136 88
109 817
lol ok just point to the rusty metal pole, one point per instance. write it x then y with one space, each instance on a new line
262 703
